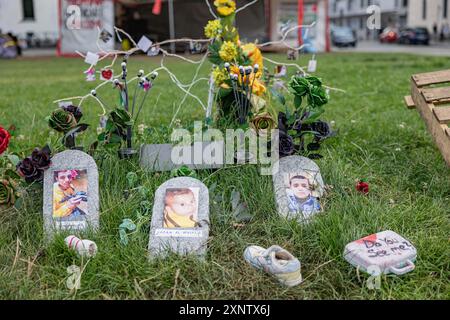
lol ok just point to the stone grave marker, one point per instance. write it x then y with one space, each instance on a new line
298 187
180 220
71 197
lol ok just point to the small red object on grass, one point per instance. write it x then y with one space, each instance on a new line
4 140
362 187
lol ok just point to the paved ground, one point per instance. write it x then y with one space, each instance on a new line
436 49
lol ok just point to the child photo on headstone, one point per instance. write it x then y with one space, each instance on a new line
181 208
301 194
70 195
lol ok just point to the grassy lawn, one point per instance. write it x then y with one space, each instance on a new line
378 140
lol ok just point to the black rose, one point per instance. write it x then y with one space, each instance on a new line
28 170
75 110
41 158
322 129
286 145
282 122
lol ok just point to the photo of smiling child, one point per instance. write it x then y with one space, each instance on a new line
181 208
70 195
301 194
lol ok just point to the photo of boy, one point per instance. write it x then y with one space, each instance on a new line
301 195
181 208
70 195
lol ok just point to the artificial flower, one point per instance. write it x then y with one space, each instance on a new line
213 29
32 168
8 192
255 56
62 120
263 123
225 7
220 75
4 140
75 110
362 187
228 51
258 88
286 145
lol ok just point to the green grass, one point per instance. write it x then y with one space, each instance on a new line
378 140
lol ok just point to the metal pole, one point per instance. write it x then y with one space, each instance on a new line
171 26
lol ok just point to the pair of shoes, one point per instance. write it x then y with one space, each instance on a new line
277 262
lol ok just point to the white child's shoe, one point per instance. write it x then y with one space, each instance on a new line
277 262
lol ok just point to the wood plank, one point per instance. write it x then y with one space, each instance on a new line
409 102
437 95
425 79
442 114
438 131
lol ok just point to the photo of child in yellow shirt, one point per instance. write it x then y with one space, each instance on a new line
181 207
70 195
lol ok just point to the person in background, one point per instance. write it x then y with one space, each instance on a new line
15 40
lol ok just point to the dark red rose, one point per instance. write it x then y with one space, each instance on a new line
362 187
41 158
28 170
32 168
4 140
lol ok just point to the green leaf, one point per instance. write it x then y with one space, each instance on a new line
13 159
123 237
132 178
298 101
127 224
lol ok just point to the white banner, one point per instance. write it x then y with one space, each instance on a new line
80 21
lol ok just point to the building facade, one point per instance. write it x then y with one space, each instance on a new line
432 14
35 20
353 14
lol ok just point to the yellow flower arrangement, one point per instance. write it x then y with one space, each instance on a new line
228 51
258 88
254 54
225 7
220 75
213 29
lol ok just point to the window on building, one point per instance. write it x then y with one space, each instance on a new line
445 9
424 9
405 3
28 9
349 5
362 3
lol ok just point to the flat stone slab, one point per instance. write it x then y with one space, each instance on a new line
71 198
166 157
382 252
298 187
180 220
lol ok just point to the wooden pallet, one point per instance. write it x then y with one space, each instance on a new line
433 104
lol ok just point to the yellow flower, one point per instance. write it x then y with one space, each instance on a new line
255 55
225 7
213 29
220 75
228 51
258 87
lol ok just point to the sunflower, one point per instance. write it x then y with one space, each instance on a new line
225 7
